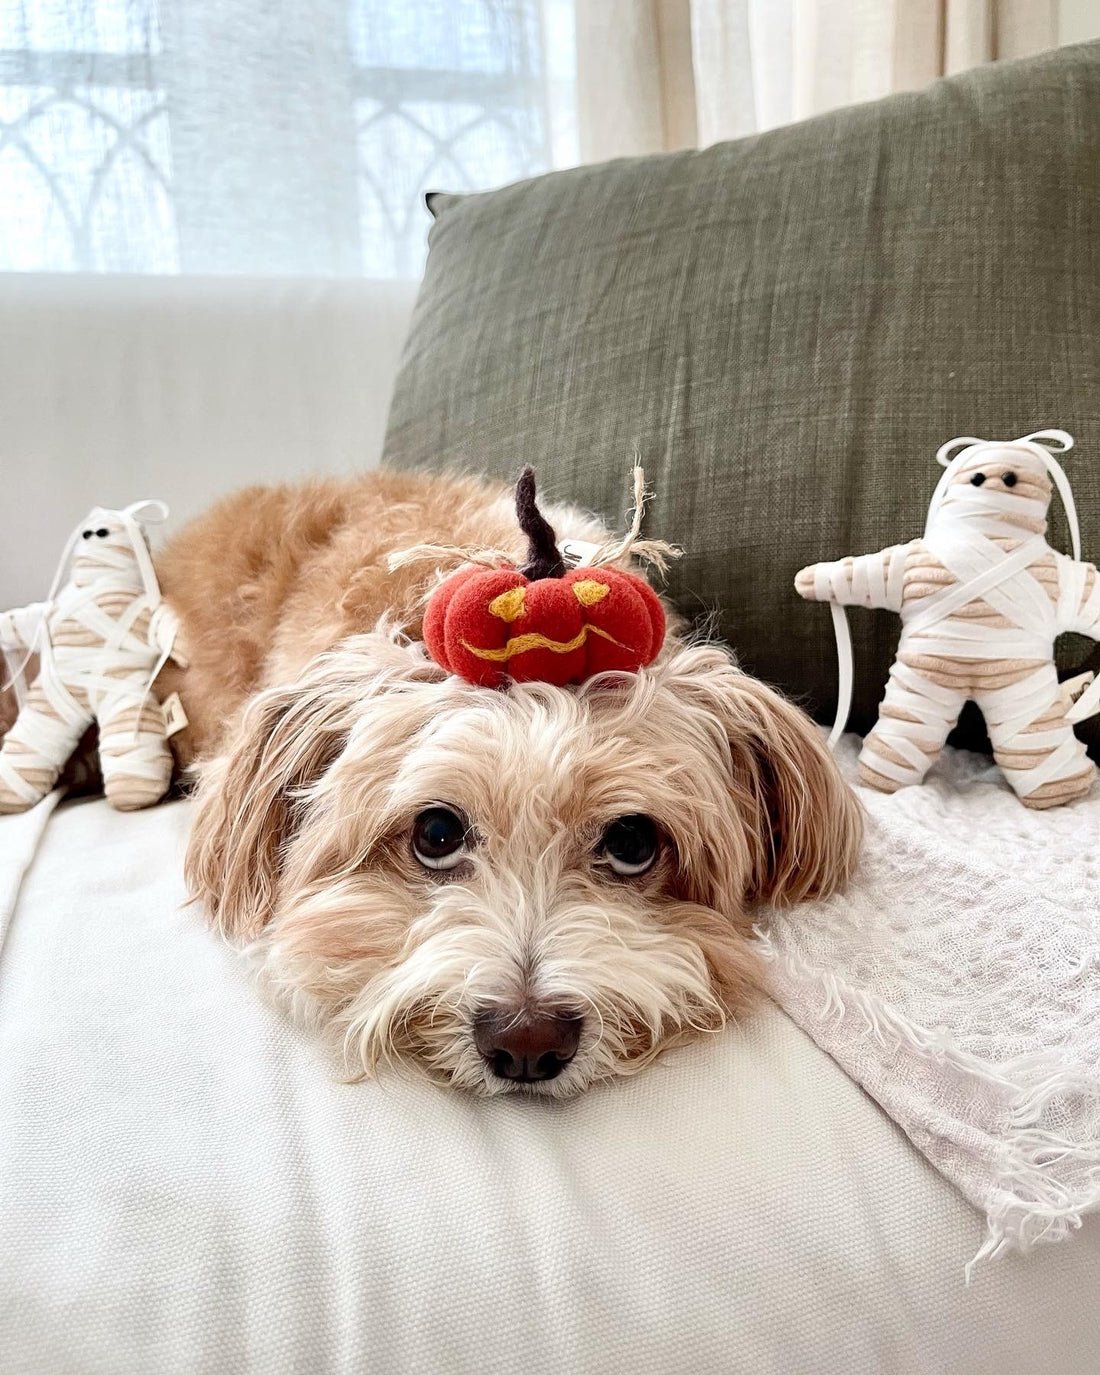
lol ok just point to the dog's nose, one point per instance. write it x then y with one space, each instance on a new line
527 1046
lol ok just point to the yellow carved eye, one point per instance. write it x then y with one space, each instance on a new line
509 605
588 592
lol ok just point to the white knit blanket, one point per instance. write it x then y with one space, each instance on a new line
958 981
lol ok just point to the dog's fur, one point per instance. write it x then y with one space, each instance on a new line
321 731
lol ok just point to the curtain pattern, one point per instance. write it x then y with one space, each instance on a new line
296 137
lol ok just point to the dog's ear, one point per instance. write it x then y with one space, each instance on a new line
247 798
250 798
804 825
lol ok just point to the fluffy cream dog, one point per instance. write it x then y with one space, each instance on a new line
532 888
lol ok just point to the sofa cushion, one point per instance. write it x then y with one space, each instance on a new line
785 329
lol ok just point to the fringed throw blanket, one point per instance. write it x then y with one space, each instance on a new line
958 981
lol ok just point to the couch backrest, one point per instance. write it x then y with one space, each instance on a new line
114 388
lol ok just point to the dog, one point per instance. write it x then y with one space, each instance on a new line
526 889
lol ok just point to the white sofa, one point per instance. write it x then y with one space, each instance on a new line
185 1183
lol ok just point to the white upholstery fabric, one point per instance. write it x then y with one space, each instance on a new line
185 1186
115 388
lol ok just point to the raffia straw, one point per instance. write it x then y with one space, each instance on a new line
447 553
631 545
654 551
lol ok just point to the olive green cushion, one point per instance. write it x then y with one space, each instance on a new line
785 329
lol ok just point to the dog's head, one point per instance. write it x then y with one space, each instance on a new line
534 887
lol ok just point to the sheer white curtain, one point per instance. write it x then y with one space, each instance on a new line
662 74
296 137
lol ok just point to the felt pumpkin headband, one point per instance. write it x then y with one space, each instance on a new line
544 621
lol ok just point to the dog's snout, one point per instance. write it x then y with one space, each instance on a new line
527 1046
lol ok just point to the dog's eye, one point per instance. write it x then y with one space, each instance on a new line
88 534
977 479
630 845
1009 479
439 838
102 533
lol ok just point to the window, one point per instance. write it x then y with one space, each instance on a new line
85 149
266 136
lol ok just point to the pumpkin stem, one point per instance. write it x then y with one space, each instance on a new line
544 558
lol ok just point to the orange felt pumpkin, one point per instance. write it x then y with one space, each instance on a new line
540 622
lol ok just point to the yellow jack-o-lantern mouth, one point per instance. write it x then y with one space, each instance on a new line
520 644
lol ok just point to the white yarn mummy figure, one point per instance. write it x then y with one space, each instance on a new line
982 597
101 640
